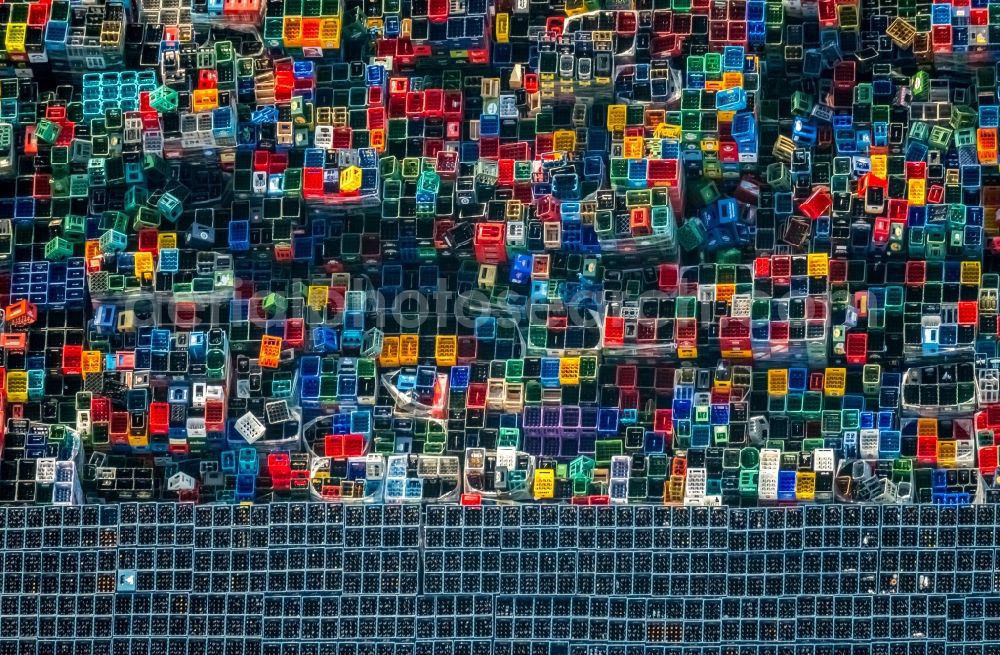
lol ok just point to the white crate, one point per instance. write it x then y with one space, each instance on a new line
45 470
767 484
374 466
83 421
868 444
824 460
965 453
770 459
989 385
740 306
427 466
250 427
696 480
506 458
196 428
448 467
180 481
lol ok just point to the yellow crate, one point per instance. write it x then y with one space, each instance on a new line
902 32
14 41
144 268
292 31
818 264
204 100
777 382
545 484
971 273
783 149
805 485
667 131
409 349
389 357
91 361
316 297
350 179
166 240
880 166
501 28
633 147
732 80
616 118
138 440
329 32
564 140
339 116
947 452
927 427
835 381
916 191
675 490
17 386
725 292
446 350
569 370
687 352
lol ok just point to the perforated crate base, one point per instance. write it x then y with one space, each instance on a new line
300 579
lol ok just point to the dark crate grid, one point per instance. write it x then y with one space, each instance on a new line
315 579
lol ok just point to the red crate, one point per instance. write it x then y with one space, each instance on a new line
72 360
215 415
968 312
614 330
279 468
857 348
645 330
159 418
628 399
295 330
626 377
476 398
119 427
667 277
988 460
916 273
100 409
663 421
927 450
686 330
